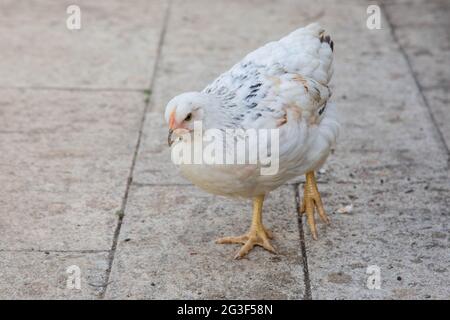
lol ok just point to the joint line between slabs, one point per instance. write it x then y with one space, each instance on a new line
307 281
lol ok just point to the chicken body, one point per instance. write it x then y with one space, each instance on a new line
282 86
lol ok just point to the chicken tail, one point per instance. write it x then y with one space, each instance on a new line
326 38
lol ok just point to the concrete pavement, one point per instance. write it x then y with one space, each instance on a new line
87 181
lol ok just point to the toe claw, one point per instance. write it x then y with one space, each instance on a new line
302 207
268 233
245 249
266 245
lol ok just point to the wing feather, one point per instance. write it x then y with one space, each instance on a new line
281 82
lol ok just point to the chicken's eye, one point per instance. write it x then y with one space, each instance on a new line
188 117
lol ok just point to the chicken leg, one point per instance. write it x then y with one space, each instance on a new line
311 202
257 235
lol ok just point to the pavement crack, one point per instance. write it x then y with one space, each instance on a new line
52 251
156 184
136 151
307 281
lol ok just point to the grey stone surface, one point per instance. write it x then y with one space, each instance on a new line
65 160
45 275
115 47
422 29
66 154
384 120
439 101
391 166
166 248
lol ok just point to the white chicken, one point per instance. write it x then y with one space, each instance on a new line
282 85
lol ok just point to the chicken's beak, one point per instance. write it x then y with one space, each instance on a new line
169 138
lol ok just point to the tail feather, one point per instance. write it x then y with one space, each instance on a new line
316 30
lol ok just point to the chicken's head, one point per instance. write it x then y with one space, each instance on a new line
183 110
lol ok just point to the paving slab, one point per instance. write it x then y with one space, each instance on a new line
428 51
65 160
384 120
400 227
115 47
46 275
66 154
439 101
417 14
382 114
166 248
